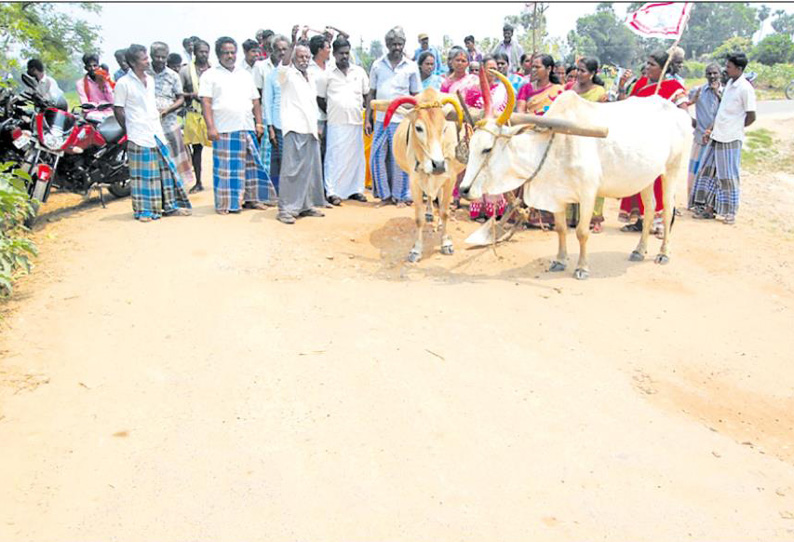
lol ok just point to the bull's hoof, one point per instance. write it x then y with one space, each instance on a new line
662 259
447 250
557 266
636 256
581 274
429 218
414 256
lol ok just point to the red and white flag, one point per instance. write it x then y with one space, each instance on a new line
664 20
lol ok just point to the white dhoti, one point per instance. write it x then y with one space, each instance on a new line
345 165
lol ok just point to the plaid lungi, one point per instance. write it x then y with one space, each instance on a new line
388 180
180 155
238 174
717 183
155 184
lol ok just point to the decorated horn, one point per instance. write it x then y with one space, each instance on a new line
562 126
454 103
380 105
511 98
486 94
395 103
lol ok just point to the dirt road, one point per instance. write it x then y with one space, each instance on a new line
232 378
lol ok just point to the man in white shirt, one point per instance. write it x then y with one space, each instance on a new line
230 103
47 86
342 94
319 66
157 188
300 183
716 190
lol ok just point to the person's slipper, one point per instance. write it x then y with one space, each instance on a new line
359 197
703 214
729 220
196 188
335 200
631 228
285 218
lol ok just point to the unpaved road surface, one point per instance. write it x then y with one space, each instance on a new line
231 378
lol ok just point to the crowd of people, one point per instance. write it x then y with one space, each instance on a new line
287 122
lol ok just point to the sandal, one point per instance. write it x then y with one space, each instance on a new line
703 214
729 220
631 228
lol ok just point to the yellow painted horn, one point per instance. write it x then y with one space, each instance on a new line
511 98
454 103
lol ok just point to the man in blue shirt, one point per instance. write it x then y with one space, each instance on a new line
424 45
391 76
271 109
706 99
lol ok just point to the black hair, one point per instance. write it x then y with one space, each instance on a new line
501 56
524 56
250 44
592 65
316 43
548 62
35 64
174 58
340 42
660 57
423 56
89 57
132 52
468 38
197 42
738 59
186 41
507 26
570 69
119 53
220 42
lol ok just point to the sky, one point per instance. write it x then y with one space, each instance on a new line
125 23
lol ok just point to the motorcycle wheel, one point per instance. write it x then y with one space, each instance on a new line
790 91
120 189
31 219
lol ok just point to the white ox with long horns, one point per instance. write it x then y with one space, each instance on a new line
424 147
580 150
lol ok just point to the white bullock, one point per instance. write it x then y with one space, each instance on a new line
645 138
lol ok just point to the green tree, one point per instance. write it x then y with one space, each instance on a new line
774 49
16 250
530 25
31 29
376 49
783 22
731 45
602 34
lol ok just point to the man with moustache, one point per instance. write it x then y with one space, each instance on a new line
195 133
156 186
706 99
169 98
230 103
341 93
300 183
392 75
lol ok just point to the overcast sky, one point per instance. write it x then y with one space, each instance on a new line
125 23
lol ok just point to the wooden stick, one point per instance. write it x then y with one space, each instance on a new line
670 55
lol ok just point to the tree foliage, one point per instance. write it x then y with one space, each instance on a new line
16 251
774 49
603 35
712 23
731 45
783 22
42 30
530 26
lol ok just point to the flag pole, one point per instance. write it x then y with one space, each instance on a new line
672 48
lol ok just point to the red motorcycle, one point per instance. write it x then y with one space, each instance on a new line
74 152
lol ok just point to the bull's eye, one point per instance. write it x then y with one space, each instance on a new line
486 151
420 129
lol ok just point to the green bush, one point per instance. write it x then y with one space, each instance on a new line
16 251
772 77
774 49
732 45
694 69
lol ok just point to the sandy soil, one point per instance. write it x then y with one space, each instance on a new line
232 378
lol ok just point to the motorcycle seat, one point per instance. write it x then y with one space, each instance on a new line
110 130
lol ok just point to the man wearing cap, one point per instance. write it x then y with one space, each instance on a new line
424 45
512 49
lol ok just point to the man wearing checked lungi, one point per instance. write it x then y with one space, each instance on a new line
230 103
157 188
716 190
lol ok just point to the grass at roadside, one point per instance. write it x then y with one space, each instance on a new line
758 149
